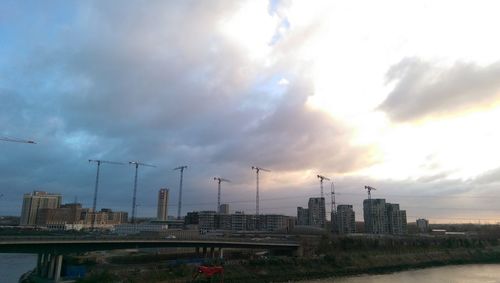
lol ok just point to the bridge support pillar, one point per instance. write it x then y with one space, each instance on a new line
39 261
52 265
45 265
299 252
221 253
57 271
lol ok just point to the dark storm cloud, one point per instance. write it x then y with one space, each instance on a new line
159 84
424 89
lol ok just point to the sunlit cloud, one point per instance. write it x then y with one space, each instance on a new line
362 91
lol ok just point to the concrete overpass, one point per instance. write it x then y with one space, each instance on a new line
51 250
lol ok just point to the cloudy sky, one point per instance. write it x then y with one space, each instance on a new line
400 95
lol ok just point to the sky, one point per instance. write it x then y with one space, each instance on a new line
403 96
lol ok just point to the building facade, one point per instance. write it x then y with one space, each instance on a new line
276 222
239 221
343 220
224 208
316 208
206 220
383 218
66 214
302 216
162 210
192 218
423 225
375 216
138 228
396 219
36 201
75 217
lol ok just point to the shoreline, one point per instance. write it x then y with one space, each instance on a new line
334 278
288 269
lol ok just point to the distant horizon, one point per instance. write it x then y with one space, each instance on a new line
410 219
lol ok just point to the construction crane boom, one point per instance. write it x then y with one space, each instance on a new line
321 178
257 200
140 163
94 204
369 189
219 180
136 164
106 161
179 207
16 140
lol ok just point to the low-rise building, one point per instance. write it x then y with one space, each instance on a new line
36 201
423 225
224 208
206 220
302 216
138 228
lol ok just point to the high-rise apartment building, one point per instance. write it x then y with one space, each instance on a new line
34 202
316 207
162 213
383 218
396 219
375 216
343 220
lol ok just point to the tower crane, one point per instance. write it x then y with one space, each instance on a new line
219 180
369 189
257 170
180 168
136 164
321 178
94 204
16 140
333 205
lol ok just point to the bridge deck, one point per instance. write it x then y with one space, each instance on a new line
58 245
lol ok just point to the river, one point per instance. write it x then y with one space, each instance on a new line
12 266
475 273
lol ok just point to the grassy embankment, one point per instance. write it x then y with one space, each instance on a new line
325 257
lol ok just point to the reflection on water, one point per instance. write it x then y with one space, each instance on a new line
480 273
12 266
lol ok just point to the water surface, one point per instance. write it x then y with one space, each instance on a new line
476 273
12 266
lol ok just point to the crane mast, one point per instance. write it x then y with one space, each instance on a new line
179 207
321 179
94 203
136 164
219 180
257 200
333 204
